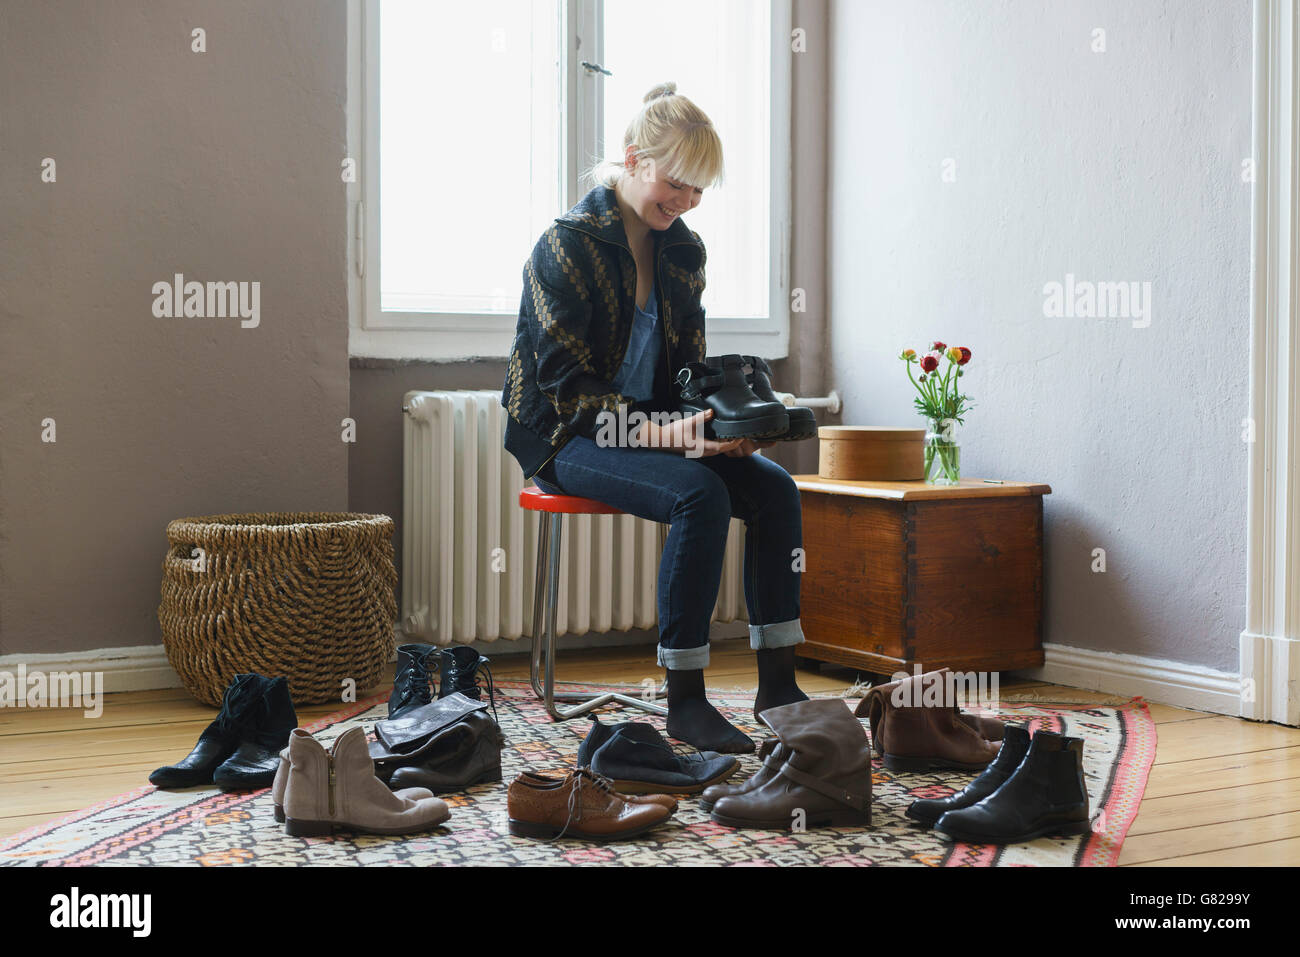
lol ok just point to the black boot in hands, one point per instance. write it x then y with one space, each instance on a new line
692 719
776 684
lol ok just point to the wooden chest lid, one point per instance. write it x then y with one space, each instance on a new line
869 433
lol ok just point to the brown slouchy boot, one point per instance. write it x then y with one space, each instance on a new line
917 737
824 781
337 790
878 703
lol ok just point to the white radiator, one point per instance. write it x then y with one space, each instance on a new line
469 552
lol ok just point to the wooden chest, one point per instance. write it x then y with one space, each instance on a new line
904 573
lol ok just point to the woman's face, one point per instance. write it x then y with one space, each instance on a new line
657 200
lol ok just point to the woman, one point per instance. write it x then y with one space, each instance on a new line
610 311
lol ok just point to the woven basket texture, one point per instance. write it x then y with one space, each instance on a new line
307 595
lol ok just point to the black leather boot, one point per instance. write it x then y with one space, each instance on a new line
1045 795
472 755
1015 745
264 729
737 411
462 668
217 742
411 683
803 422
446 745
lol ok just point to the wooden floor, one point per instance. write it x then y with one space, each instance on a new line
1223 791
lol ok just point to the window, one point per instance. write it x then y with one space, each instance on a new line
471 124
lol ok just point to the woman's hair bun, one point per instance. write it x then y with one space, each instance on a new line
663 89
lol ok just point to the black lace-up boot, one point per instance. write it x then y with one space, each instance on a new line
412 682
463 669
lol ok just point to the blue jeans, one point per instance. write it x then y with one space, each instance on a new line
698 497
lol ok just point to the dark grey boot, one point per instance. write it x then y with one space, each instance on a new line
1045 795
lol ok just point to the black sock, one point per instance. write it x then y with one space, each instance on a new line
776 684
692 719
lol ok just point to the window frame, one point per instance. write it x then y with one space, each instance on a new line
414 336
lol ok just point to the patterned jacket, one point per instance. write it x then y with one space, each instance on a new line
575 319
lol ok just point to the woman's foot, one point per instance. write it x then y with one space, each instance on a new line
692 719
776 684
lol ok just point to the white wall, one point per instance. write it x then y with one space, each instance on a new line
1122 165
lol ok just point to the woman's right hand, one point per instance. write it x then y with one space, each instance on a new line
685 436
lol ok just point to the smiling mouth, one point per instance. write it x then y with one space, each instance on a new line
670 214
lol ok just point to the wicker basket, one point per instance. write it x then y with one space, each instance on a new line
307 595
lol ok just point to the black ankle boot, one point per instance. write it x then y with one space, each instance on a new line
267 721
737 411
217 742
692 719
411 684
776 684
1045 794
803 422
462 670
1015 745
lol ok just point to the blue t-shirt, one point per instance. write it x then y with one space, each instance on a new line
636 376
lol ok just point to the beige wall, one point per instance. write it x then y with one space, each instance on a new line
221 165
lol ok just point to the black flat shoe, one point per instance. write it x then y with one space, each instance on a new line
737 412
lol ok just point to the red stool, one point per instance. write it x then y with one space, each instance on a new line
546 599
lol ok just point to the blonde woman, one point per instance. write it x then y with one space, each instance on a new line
610 312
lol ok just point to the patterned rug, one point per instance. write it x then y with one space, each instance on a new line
203 826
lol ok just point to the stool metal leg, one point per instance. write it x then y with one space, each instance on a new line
548 584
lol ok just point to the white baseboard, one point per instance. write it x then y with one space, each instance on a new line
1158 680
145 667
141 668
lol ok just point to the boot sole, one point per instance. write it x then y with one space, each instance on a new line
296 828
1052 830
764 426
845 818
548 831
645 787
896 762
491 777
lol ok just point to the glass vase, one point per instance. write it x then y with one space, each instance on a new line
942 453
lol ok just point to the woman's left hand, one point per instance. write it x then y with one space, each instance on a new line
747 447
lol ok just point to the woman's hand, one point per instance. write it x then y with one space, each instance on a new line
686 437
748 447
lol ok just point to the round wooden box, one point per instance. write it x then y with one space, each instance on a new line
871 453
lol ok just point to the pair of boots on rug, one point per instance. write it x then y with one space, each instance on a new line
1026 790
240 750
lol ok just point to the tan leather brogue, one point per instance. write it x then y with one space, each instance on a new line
582 804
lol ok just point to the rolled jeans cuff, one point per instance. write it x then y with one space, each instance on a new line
781 634
684 659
